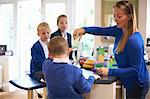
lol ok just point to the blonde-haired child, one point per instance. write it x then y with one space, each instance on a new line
39 51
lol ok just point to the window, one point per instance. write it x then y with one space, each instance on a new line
6 24
29 17
85 16
51 15
18 24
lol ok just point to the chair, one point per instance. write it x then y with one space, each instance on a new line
29 84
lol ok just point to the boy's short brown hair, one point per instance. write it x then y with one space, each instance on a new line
57 46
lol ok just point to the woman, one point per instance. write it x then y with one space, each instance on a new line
128 50
62 24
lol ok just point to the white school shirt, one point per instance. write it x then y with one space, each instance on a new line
45 48
65 35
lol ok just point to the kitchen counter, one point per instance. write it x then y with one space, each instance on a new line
104 87
106 80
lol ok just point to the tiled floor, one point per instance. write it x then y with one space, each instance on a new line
21 94
2 93
18 94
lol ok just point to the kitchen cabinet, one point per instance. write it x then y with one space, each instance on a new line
10 70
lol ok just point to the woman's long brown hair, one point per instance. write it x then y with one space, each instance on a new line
129 10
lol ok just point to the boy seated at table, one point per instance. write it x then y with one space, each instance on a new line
63 80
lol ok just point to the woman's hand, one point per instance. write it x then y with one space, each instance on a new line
103 71
78 33
70 50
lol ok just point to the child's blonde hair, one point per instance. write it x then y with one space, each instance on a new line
58 46
42 24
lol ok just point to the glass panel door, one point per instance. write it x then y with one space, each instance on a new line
6 25
85 16
29 16
52 11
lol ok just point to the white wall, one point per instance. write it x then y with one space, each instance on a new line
142 17
10 71
148 18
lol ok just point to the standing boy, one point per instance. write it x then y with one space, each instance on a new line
64 81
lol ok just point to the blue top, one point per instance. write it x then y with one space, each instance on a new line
38 56
131 64
65 81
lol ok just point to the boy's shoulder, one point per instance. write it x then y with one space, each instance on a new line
47 60
75 68
50 61
46 63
